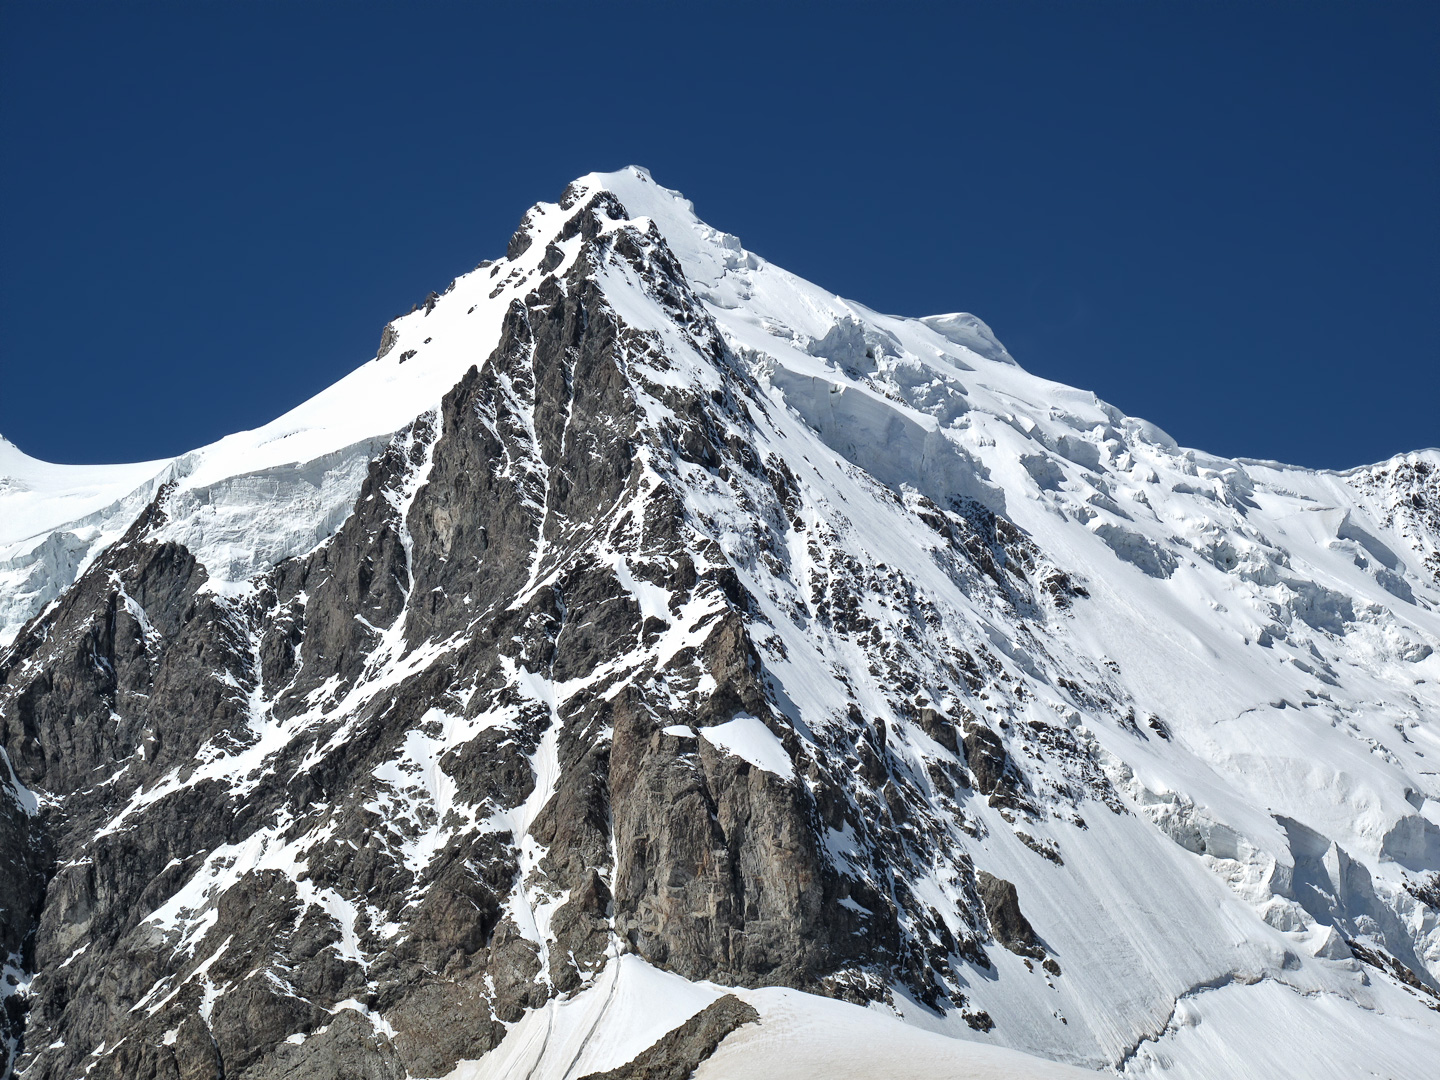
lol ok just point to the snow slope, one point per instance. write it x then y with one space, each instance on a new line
1280 626
1248 650
798 1036
251 499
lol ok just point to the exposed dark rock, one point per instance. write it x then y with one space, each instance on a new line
678 1053
979 1021
990 764
348 1048
438 1023
388 337
938 726
1007 923
985 754
719 837
1383 961
1426 890
1044 848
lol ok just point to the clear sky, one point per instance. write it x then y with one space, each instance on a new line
1224 218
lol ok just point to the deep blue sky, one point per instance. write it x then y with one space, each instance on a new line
1223 218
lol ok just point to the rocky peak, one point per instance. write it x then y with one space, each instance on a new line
643 608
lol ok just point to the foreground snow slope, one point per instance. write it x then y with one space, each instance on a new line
796 1036
685 619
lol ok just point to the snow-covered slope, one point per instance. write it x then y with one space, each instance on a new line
795 1036
246 502
1008 715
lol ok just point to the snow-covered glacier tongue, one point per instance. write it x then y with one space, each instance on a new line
653 664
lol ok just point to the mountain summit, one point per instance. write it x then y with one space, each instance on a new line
651 664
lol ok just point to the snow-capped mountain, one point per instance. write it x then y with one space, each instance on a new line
651 661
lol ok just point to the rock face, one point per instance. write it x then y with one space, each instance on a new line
1007 923
486 539
620 649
